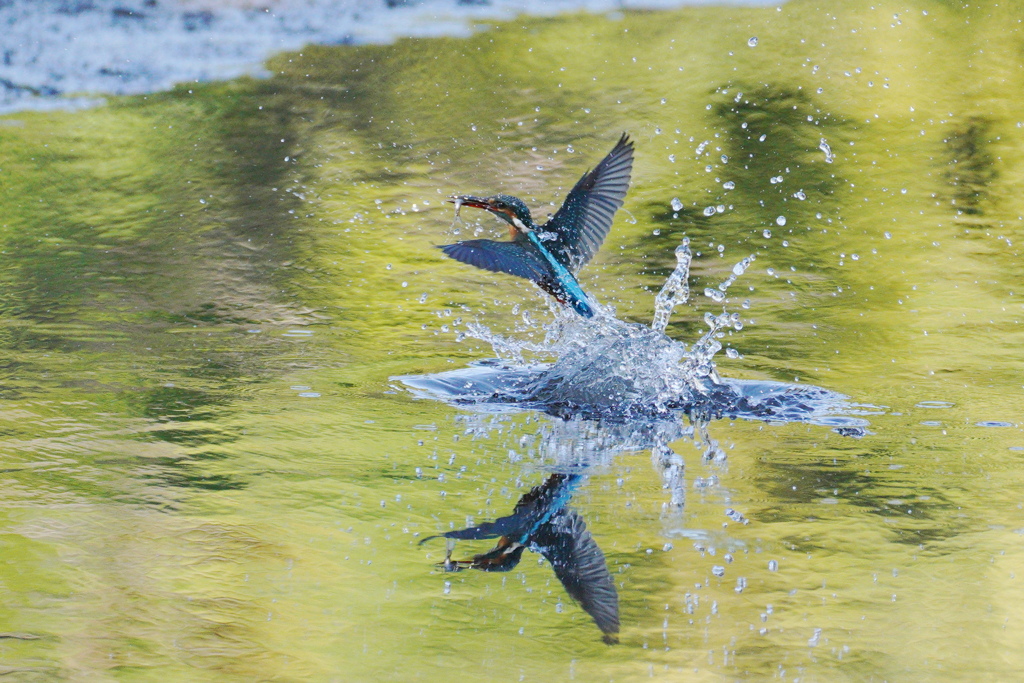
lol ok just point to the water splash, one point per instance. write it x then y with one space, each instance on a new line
608 368
824 147
676 289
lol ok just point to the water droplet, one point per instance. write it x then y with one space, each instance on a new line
473 127
799 194
729 185
709 211
773 566
752 42
718 570
725 159
423 298
855 257
741 583
823 146
887 235
676 204
672 158
781 220
767 234
715 295
732 353
656 232
447 587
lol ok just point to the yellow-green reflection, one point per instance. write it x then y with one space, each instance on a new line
206 474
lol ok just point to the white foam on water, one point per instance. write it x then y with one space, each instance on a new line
64 53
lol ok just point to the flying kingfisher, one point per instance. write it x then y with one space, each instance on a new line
550 255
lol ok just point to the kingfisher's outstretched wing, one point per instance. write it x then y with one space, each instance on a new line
534 508
543 522
498 257
583 221
580 565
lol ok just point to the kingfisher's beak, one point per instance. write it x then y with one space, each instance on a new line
461 200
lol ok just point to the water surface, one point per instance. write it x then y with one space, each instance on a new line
208 472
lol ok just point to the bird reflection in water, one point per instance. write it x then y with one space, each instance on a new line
543 522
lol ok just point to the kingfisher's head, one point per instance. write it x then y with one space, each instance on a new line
510 209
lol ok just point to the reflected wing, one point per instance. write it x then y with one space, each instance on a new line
498 257
535 508
580 565
583 221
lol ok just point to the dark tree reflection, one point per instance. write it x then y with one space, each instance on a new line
970 168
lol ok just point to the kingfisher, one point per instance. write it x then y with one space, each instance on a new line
543 522
550 255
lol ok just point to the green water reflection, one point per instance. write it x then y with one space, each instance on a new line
207 474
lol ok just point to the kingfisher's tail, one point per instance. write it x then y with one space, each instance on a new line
582 306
